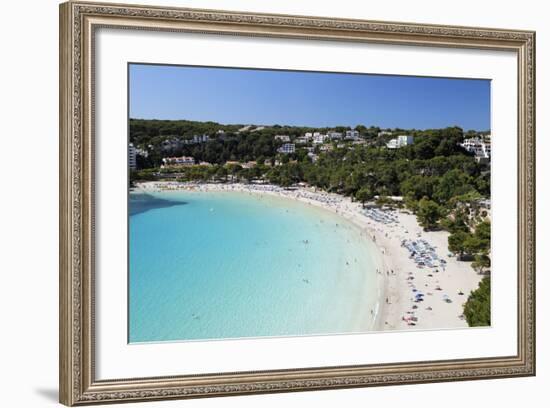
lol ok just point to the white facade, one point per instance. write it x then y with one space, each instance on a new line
392 144
132 157
178 161
487 149
384 133
480 148
352 134
201 138
287 148
473 145
334 135
319 138
197 139
301 140
405 140
400 141
283 138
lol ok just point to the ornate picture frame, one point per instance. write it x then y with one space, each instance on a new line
78 24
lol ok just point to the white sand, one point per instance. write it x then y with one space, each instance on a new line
396 268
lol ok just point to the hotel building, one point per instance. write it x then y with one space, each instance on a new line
319 138
132 153
178 161
479 147
287 148
352 134
400 141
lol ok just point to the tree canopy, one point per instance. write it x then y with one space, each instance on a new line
477 309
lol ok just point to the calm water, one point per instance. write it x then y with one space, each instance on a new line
229 265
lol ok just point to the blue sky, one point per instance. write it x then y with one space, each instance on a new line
267 97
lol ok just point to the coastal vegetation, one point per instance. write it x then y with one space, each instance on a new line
434 177
477 309
472 244
438 180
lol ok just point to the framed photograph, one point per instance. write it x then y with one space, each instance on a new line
256 203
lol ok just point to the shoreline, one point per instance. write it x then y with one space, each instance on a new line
400 280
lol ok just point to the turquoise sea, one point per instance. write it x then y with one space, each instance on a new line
218 265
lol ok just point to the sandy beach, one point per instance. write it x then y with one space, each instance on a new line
415 293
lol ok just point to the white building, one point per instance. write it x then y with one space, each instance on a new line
334 135
405 140
178 161
287 148
473 145
400 141
384 133
283 138
132 157
301 140
319 138
197 139
479 147
352 134
201 138
392 144
487 149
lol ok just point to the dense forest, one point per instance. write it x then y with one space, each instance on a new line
477 309
231 145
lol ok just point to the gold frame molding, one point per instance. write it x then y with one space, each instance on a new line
78 22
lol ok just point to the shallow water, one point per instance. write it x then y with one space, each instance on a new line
231 265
